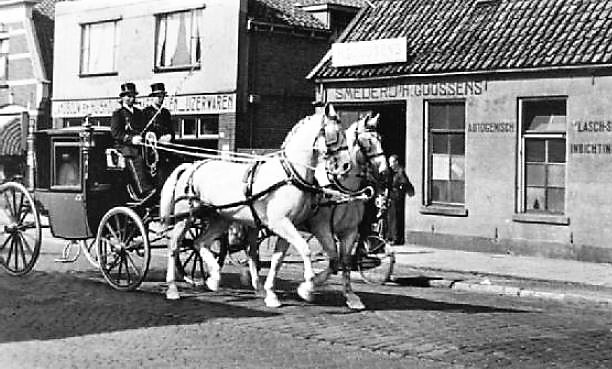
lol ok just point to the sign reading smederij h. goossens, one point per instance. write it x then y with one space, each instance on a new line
183 104
407 90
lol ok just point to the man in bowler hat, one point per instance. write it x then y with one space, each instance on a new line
127 124
159 121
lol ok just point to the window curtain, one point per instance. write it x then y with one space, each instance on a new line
161 43
173 24
101 47
196 47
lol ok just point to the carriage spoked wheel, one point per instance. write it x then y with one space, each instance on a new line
20 229
375 259
123 248
188 260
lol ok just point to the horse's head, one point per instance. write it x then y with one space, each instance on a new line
366 145
331 143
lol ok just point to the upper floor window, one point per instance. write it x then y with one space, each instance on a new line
446 153
179 39
4 59
99 47
543 159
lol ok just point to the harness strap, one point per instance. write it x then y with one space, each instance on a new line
249 178
295 178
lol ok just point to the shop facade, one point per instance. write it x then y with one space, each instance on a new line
505 160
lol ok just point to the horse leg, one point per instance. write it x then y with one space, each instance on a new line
215 228
285 229
253 262
276 261
346 247
328 243
172 292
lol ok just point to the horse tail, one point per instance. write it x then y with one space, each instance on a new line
166 201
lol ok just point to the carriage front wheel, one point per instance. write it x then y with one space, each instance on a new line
188 261
20 230
123 248
375 259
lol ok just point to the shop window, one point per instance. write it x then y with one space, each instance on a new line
3 60
446 153
99 48
543 161
94 121
179 40
197 127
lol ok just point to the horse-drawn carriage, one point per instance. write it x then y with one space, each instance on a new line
78 183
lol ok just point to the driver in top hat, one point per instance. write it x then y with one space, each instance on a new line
127 124
159 121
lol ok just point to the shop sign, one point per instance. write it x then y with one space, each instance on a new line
382 51
491 127
178 105
408 90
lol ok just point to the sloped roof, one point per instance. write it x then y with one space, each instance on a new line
43 15
470 36
283 12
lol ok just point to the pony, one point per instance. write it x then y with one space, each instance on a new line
336 224
276 194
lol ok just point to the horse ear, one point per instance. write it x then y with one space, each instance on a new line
330 111
372 123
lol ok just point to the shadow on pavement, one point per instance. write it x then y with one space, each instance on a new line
51 305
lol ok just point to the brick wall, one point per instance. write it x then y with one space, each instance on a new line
279 63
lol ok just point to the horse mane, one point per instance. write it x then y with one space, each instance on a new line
295 128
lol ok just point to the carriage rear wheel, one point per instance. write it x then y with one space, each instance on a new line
188 261
20 229
123 248
375 259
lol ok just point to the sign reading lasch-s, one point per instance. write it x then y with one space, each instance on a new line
183 104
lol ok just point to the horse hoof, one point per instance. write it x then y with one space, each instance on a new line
172 293
213 283
305 291
354 303
272 301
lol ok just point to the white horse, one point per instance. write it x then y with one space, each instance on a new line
277 193
336 226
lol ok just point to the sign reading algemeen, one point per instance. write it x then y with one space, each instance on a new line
388 50
184 104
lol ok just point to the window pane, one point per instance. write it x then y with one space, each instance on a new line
556 175
438 191
178 38
189 127
457 192
439 143
437 116
456 116
176 123
440 167
67 166
98 54
209 125
535 150
458 167
535 199
536 175
457 144
556 200
544 115
556 151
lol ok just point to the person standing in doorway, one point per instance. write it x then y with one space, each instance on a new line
399 187
127 124
159 121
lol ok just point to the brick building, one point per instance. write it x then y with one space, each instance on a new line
234 68
26 47
501 112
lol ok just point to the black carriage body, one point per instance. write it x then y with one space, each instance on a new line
72 181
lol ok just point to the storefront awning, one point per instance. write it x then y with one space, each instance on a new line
10 135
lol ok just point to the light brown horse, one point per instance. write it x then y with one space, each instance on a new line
279 193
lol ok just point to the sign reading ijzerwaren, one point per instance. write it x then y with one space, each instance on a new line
183 104
388 50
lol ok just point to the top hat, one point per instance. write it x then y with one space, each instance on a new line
158 89
128 88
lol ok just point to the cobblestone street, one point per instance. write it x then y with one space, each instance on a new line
64 315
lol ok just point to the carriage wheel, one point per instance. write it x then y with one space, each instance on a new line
188 261
20 230
375 259
123 248
89 250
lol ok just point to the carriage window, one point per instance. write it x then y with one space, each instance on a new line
99 48
179 39
446 148
66 166
542 169
3 60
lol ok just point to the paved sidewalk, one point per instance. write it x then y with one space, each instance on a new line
538 277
